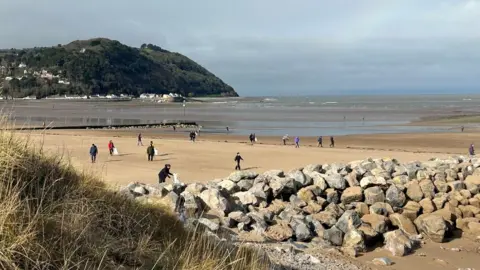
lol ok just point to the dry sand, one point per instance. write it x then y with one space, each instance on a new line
212 157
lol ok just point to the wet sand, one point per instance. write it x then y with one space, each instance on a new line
212 157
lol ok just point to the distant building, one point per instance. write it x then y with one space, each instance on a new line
83 50
8 78
22 65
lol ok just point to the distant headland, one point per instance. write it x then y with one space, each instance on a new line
102 67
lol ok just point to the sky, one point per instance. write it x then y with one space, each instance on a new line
280 47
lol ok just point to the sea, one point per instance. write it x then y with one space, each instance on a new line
267 116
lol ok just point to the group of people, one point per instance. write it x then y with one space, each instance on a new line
285 138
94 151
151 152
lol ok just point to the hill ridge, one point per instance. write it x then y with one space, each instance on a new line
104 66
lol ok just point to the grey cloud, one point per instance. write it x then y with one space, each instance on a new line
279 46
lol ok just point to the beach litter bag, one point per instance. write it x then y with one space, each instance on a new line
115 151
155 152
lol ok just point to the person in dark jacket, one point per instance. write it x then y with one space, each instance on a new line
237 159
164 173
93 153
150 151
471 150
332 142
320 141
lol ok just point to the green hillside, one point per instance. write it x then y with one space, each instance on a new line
103 66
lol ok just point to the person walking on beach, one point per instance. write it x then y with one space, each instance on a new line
332 142
320 141
463 128
139 140
297 142
164 173
471 150
93 153
228 130
237 159
150 151
194 136
252 138
110 147
174 128
285 139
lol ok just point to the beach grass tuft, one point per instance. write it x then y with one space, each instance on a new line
55 217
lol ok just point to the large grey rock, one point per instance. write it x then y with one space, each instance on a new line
395 197
372 180
318 180
414 192
352 194
349 220
326 218
192 204
379 208
240 175
195 188
457 185
211 225
247 198
301 230
355 239
427 188
403 223
380 173
240 217
296 202
374 195
140 190
245 184
261 190
279 232
215 201
352 179
312 168
441 186
335 181
299 178
378 223
434 226
334 236
332 196
398 243
228 186
283 186
400 179
258 222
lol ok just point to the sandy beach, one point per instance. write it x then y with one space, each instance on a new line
212 155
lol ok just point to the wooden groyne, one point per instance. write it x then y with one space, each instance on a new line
165 123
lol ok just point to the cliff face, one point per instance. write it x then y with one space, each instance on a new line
103 66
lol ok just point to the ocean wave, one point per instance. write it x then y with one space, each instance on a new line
466 99
330 102
270 99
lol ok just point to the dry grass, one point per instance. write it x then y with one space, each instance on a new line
53 217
